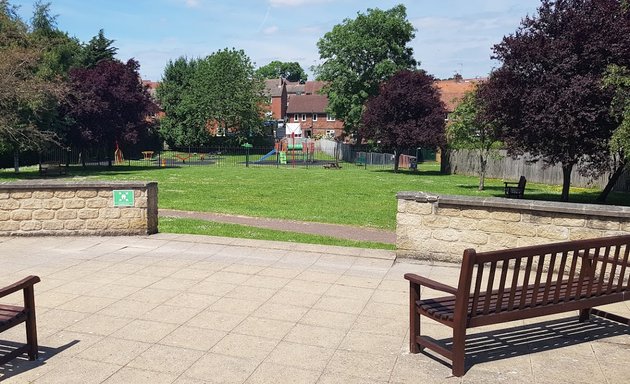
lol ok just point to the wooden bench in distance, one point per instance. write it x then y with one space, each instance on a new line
332 166
515 284
52 168
516 190
11 315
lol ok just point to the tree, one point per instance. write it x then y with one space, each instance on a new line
109 104
469 128
178 127
220 93
291 71
60 51
25 97
227 95
360 54
618 78
547 95
99 48
407 113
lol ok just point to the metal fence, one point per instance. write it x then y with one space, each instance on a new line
317 155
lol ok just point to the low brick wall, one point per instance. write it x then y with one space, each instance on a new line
43 207
440 227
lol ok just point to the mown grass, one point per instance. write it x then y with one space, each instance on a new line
351 195
211 228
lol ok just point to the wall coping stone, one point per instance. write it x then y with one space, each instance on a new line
518 204
57 184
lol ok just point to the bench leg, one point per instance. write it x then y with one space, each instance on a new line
31 324
585 314
414 318
459 351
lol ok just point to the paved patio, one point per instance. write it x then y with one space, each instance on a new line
193 309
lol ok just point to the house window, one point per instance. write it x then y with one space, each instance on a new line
296 118
330 132
304 117
330 117
314 116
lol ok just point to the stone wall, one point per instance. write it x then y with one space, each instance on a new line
43 207
440 227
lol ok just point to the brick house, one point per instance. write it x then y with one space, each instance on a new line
301 103
276 91
310 112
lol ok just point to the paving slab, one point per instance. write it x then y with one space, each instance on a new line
188 309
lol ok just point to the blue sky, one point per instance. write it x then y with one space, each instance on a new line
452 35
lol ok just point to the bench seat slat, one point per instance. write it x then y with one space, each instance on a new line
443 307
11 315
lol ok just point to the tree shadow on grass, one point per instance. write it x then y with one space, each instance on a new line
412 173
78 172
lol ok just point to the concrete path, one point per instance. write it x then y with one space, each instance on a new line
185 309
333 230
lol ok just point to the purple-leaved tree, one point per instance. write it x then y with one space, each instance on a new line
109 104
406 113
548 94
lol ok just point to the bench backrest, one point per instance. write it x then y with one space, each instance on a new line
521 182
587 269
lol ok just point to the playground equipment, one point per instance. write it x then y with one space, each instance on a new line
291 149
118 155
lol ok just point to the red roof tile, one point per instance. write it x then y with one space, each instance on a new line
307 104
452 91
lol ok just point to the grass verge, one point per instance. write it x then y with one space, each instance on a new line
211 228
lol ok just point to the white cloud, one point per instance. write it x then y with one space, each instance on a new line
270 30
310 30
192 3
295 3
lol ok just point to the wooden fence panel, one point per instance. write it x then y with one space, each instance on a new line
502 166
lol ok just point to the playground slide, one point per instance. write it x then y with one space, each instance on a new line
273 152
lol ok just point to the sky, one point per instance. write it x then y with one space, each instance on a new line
452 36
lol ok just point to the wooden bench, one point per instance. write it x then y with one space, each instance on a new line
11 315
516 190
51 168
332 166
520 283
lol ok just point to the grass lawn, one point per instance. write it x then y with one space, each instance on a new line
351 195
202 227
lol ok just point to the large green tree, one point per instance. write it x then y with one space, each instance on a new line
548 93
26 97
178 127
97 49
291 71
227 93
469 128
220 93
358 55
618 78
60 51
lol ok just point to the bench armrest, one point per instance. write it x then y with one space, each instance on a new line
20 285
508 183
420 280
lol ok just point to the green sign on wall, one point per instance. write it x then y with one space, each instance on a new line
123 198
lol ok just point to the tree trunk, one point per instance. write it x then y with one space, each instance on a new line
16 160
566 181
396 159
611 182
445 165
483 162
